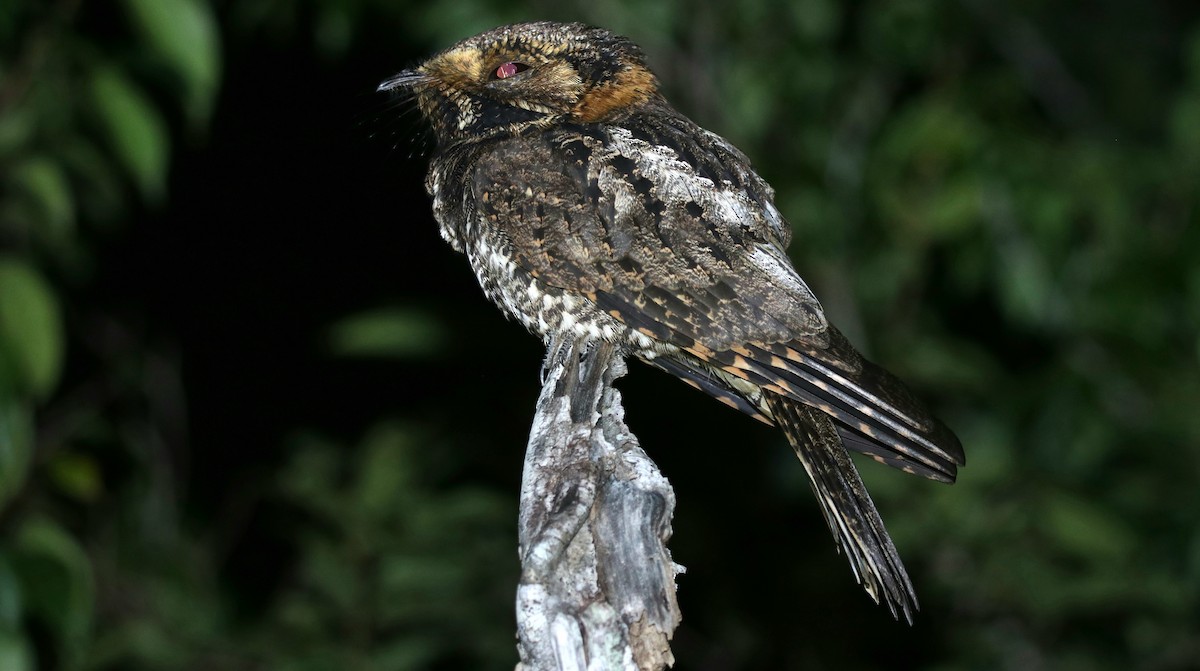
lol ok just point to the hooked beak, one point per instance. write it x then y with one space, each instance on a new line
403 80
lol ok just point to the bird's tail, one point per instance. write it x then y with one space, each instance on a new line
844 501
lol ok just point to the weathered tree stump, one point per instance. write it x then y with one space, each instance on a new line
597 586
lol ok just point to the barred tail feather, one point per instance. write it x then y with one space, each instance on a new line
844 501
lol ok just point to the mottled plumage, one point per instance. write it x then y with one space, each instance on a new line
587 205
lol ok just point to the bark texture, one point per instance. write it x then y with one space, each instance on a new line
597 587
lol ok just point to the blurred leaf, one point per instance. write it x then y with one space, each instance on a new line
956 210
44 182
399 554
76 475
100 186
17 127
15 653
11 605
406 653
393 333
16 446
1086 529
31 335
310 476
56 579
1185 125
332 574
184 34
386 472
931 136
135 131
145 640
902 32
1026 285
817 20
411 586
1191 55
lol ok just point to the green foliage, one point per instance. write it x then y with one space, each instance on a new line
183 35
407 573
75 121
16 446
137 134
56 590
398 333
31 338
396 571
31 353
45 185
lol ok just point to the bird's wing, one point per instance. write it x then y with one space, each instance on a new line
642 233
655 241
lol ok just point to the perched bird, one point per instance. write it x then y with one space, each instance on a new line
590 207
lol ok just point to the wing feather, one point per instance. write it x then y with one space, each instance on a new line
653 241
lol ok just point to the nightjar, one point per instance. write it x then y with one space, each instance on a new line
589 207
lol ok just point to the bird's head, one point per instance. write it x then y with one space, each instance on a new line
527 75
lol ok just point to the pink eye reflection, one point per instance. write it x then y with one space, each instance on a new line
509 69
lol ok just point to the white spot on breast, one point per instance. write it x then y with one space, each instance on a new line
542 309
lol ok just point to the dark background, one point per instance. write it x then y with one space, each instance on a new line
255 414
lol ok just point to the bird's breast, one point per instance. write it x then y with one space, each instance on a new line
544 310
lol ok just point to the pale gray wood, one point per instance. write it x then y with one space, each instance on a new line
597 587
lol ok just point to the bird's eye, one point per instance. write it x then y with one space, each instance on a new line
509 69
